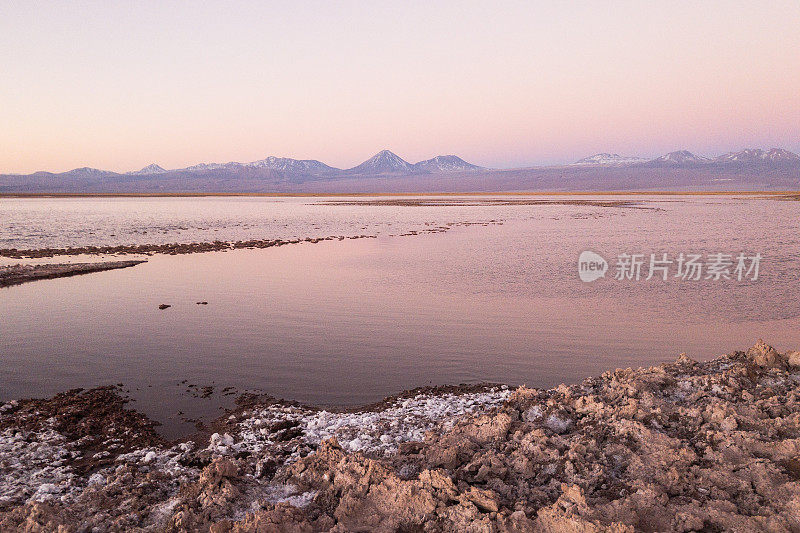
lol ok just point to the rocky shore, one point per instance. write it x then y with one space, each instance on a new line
17 274
215 246
685 446
167 249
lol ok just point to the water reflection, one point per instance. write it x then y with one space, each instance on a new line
348 322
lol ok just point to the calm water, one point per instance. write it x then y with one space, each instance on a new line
348 322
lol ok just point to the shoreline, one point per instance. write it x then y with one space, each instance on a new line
177 248
165 249
395 194
213 246
19 274
390 200
681 446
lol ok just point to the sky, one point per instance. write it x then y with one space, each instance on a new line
119 85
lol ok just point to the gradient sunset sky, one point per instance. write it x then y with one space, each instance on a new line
119 85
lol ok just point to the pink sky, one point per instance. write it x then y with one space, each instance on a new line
119 85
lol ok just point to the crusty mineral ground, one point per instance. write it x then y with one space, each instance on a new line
685 446
16 274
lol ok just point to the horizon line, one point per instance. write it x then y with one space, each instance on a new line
658 192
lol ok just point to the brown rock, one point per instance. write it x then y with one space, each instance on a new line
282 518
764 355
221 468
485 500
489 427
439 483
409 448
571 514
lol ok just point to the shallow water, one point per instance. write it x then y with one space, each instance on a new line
348 322
72 222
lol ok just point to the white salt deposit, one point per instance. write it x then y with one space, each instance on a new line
32 465
557 424
373 432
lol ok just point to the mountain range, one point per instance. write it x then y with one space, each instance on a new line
384 162
751 168
685 157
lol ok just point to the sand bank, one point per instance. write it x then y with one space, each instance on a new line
16 274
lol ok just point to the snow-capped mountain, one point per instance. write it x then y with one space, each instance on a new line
609 160
204 167
444 163
756 155
282 164
680 157
779 154
384 162
86 171
285 164
148 170
748 155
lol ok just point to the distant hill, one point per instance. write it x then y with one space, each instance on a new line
748 169
149 170
384 162
302 166
445 163
756 155
681 157
609 159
